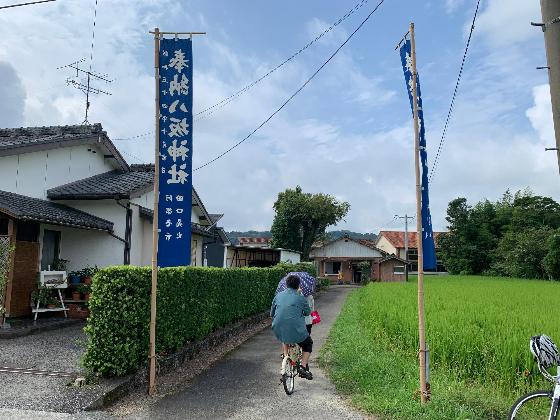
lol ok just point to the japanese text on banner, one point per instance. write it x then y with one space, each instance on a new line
428 246
175 152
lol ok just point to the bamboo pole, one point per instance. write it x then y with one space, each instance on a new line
421 315
152 355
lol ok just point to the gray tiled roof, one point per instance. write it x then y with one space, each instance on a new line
114 184
29 139
16 137
215 218
27 208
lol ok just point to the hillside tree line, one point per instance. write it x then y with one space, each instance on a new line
516 236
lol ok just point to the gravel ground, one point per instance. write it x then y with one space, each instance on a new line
14 414
51 350
245 383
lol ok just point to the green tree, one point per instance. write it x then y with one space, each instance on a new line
551 261
521 253
301 218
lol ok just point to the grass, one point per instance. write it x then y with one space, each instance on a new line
478 330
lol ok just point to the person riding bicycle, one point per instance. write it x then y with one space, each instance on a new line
288 312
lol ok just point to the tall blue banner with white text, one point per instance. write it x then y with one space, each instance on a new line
175 152
429 251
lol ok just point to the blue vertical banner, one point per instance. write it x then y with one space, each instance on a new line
428 245
175 152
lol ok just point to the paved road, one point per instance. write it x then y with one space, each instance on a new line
246 383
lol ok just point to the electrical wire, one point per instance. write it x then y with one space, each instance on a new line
230 98
449 113
295 93
221 104
93 35
26 4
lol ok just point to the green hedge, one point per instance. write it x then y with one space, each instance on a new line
192 302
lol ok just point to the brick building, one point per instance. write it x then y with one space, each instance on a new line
344 256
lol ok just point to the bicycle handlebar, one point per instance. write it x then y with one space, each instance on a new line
548 376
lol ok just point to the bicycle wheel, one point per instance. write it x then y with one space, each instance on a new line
288 375
535 405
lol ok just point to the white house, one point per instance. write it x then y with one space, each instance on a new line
67 193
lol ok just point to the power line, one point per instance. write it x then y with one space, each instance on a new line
296 92
26 4
219 105
93 35
444 133
230 98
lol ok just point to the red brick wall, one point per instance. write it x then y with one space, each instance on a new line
346 268
26 266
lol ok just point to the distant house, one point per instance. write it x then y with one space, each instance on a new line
67 193
344 256
251 241
215 248
258 252
392 242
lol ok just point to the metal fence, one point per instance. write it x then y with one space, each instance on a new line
4 267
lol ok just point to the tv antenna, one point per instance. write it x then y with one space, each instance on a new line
83 80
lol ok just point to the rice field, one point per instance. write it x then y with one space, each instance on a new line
477 329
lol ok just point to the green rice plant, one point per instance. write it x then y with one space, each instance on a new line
476 327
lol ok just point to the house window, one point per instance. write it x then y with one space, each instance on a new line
27 231
398 269
194 246
51 248
413 259
332 267
3 226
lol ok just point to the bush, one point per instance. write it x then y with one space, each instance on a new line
192 302
308 267
551 261
323 283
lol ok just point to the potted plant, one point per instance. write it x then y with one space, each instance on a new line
87 274
41 296
53 303
74 277
84 289
76 295
59 264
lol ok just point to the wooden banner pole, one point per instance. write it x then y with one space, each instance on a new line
152 354
421 315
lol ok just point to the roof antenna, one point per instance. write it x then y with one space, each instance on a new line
84 78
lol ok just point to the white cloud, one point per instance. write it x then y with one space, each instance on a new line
540 114
504 22
452 5
12 97
488 149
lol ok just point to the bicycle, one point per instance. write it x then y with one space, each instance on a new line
290 364
539 404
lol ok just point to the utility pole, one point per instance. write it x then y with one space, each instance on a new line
421 313
405 217
550 10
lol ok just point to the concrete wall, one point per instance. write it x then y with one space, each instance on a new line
89 247
293 257
385 245
32 174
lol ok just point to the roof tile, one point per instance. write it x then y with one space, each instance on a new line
27 208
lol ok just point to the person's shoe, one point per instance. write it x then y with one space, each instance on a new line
305 373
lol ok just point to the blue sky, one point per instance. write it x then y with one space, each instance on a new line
348 133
